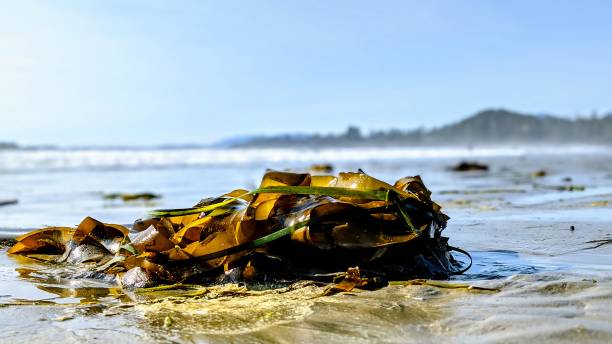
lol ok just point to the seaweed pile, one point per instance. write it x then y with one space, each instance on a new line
294 226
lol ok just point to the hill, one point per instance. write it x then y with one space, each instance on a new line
488 127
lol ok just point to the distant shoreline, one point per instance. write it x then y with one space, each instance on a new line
487 128
544 146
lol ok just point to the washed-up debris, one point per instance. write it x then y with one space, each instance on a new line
321 168
466 166
569 187
7 242
294 226
5 202
131 197
598 243
539 174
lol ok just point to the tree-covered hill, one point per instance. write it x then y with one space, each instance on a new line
488 127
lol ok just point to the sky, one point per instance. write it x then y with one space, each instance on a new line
125 72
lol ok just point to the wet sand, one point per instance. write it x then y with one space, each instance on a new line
555 283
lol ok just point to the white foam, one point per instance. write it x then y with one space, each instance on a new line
23 160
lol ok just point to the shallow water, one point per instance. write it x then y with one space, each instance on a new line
555 285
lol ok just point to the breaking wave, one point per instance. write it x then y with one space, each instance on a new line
62 159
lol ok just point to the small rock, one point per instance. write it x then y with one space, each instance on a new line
466 166
6 202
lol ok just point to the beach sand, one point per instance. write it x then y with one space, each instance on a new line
555 282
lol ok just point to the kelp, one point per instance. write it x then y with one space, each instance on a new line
445 285
293 226
321 168
51 239
539 174
131 197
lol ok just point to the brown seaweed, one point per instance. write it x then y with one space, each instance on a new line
294 225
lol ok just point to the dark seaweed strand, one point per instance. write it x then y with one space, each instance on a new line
462 271
255 243
396 200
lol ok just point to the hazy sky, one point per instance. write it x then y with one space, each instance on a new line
151 72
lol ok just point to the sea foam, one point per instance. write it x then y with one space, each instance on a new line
63 159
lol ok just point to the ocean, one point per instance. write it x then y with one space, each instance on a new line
59 187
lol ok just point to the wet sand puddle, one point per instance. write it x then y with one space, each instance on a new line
89 310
